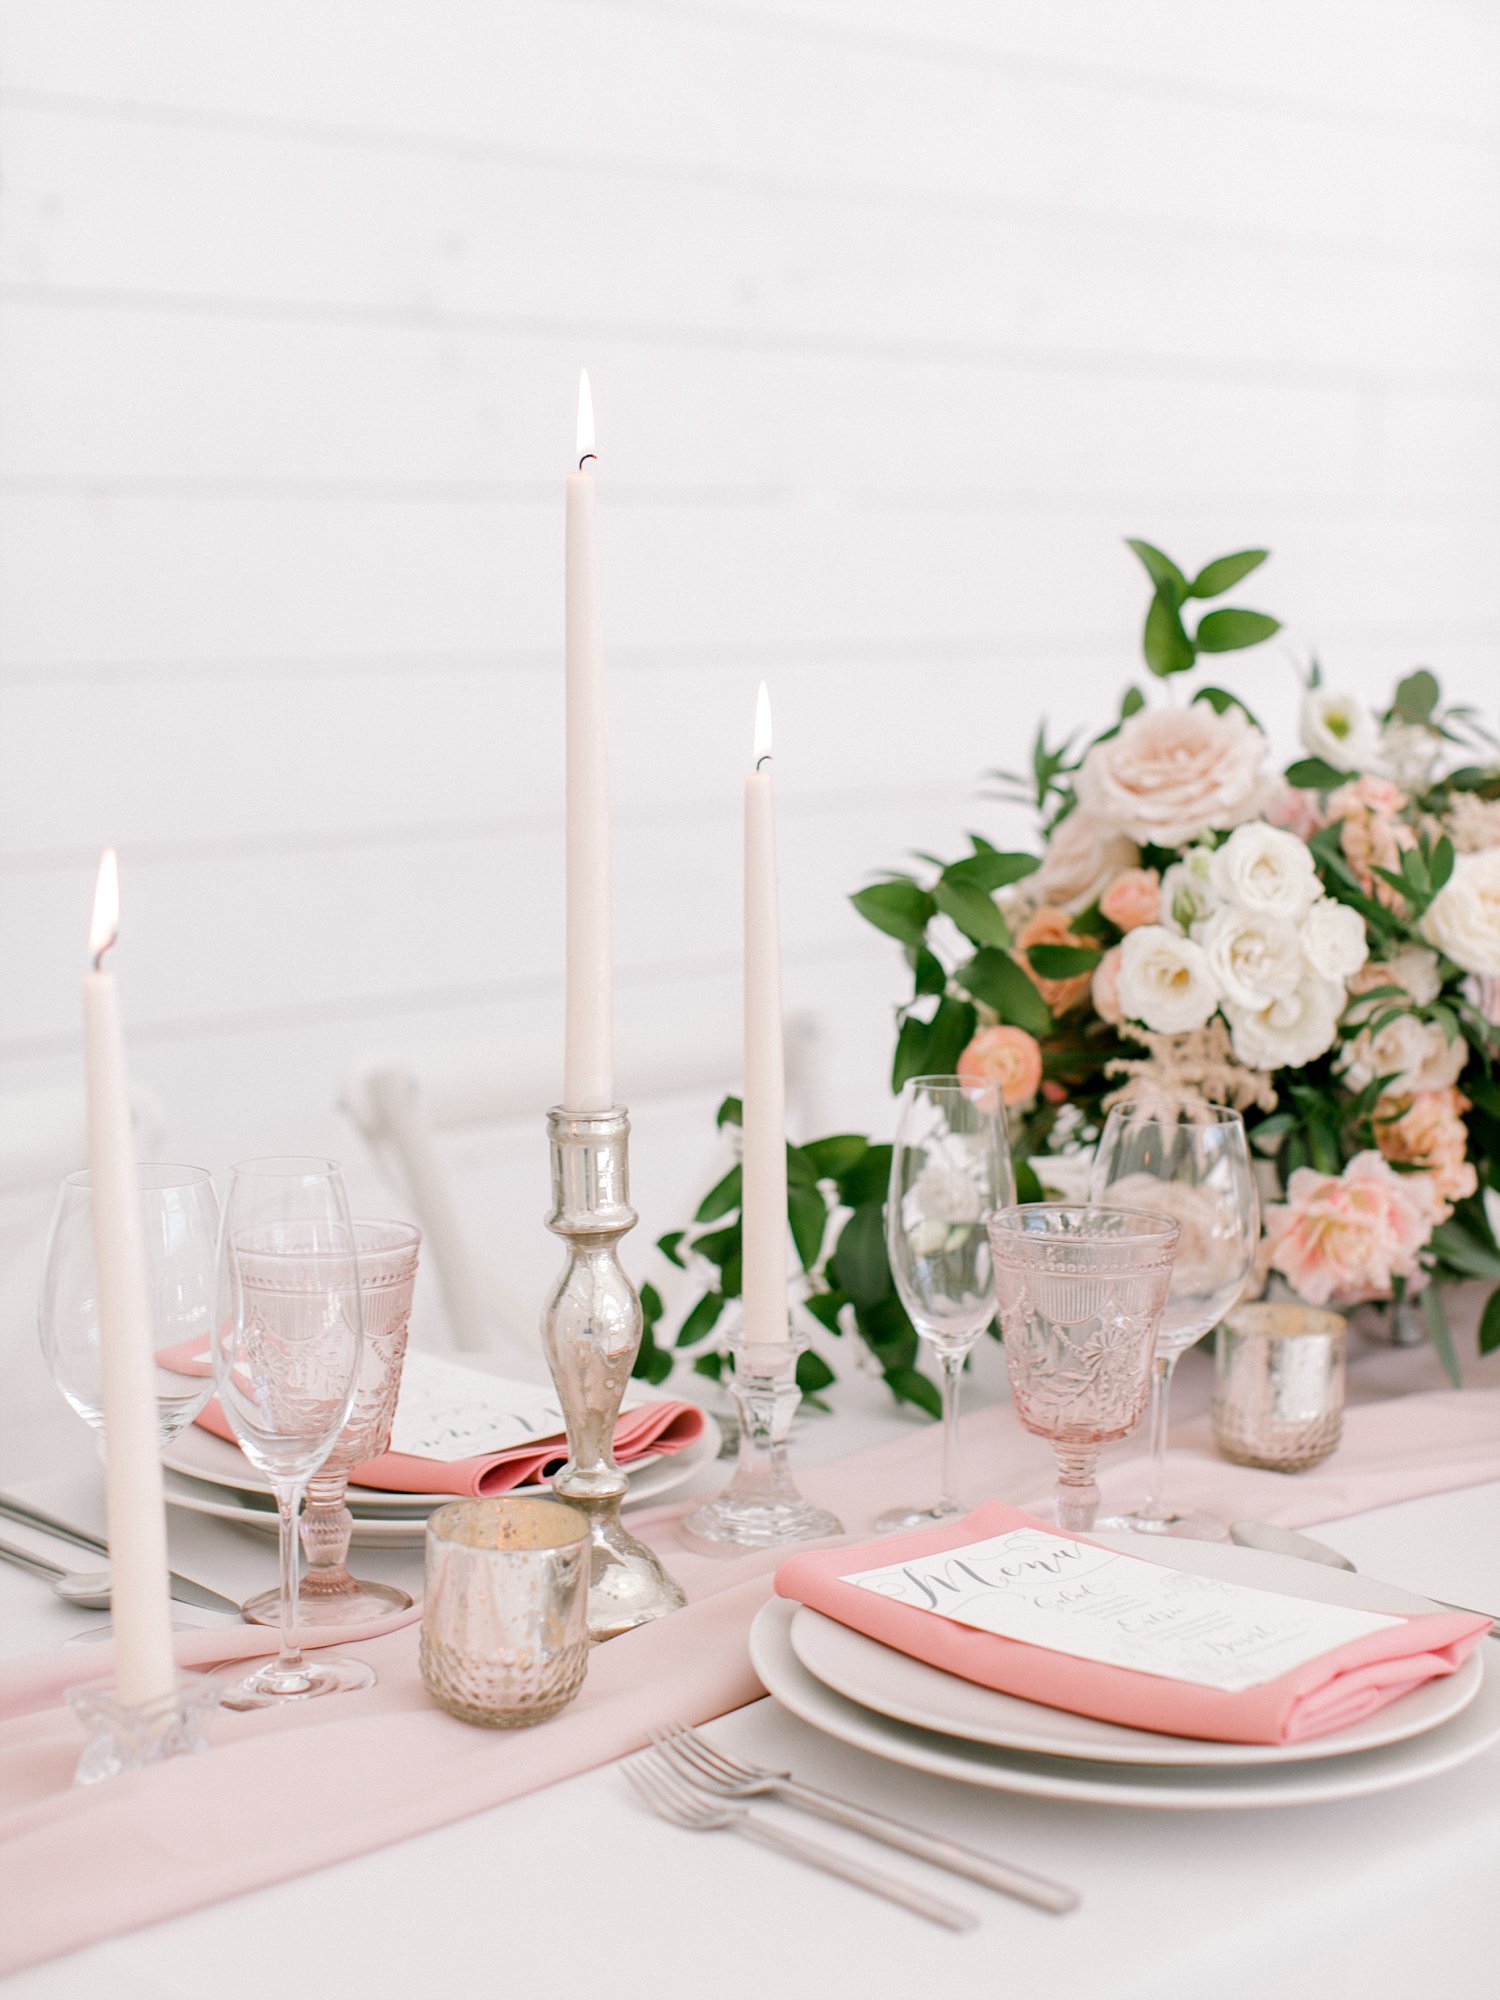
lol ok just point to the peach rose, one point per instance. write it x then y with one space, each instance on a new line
1169 774
1051 926
1427 1130
1082 854
1132 898
1344 1237
1104 988
1373 835
1007 1057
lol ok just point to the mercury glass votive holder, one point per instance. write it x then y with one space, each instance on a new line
1279 1385
505 1626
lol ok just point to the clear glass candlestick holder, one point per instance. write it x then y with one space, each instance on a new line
128 1736
761 1507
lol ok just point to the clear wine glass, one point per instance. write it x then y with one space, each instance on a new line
950 1166
287 1350
1189 1160
181 1214
1081 1291
330 1594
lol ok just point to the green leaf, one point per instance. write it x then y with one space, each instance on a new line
868 1179
1443 858
808 1214
909 1385
859 1261
813 1373
1228 631
825 1308
994 978
900 909
721 1198
1219 699
1439 1333
1461 1252
1028 1187
1062 961
1167 647
800 1170
731 1112
669 1247
1417 696
950 1032
1225 572
651 1305
972 909
1131 703
719 1245
1489 1323
702 1320
910 1058
1161 569
653 1364
1312 774
711 1365
835 1156
927 971
989 869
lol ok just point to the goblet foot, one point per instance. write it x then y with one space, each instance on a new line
271 1685
361 1604
903 1520
1188 1527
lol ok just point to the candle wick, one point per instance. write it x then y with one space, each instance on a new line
763 760
586 458
99 955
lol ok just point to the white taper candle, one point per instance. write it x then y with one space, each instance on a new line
763 1210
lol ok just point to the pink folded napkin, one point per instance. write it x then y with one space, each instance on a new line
656 1428
1336 1688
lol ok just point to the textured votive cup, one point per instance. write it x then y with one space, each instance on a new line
505 1631
1279 1385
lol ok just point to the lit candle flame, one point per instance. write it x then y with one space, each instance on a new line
762 726
105 927
585 418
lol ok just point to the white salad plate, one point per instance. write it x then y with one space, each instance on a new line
906 1690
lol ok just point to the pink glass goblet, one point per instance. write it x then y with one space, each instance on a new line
386 1256
1081 1291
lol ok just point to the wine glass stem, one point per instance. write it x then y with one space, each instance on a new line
1162 1366
289 1657
953 1368
1076 1494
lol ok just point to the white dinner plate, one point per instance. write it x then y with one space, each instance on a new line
403 1526
907 1690
214 1461
1168 1788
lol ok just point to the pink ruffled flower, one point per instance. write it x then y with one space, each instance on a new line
1427 1130
1132 899
1339 1238
1105 988
1374 835
1007 1057
1298 811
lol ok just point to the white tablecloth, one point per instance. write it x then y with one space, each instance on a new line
577 1890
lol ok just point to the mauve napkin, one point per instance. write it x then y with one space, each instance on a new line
1330 1692
658 1428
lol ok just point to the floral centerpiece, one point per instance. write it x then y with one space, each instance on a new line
1319 947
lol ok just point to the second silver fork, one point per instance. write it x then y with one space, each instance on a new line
725 1777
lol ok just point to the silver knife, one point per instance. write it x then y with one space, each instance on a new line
182 1588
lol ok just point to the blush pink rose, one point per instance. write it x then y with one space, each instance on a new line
1339 1238
1007 1057
1132 899
1299 812
1106 988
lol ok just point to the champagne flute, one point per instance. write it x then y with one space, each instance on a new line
1189 1160
287 1349
950 1166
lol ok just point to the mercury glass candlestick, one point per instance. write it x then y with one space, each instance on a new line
761 1507
591 1332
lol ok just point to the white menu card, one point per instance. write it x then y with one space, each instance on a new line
1067 1596
447 1411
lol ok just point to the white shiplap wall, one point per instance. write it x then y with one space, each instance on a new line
899 316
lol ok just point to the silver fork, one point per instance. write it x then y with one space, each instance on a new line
667 1795
708 1767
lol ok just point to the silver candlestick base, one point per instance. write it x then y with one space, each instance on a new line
591 1332
760 1508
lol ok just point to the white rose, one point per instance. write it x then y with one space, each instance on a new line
1463 920
1266 870
1187 895
1170 774
1333 939
1292 1030
1339 729
1083 857
1165 981
1415 1055
1253 959
1413 967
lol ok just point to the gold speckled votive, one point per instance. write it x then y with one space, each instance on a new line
1279 1385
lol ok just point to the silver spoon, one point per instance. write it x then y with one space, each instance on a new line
88 1589
1287 1542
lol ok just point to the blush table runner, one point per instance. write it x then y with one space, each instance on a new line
287 1792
